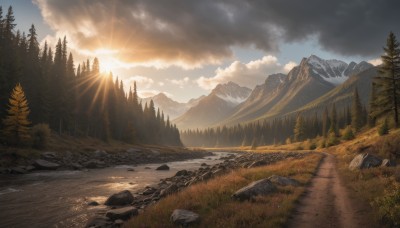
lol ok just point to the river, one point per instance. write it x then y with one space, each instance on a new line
60 198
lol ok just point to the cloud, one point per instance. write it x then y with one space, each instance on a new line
289 66
376 62
245 74
181 83
152 93
190 33
141 81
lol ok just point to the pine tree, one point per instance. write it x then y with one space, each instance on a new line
16 123
333 128
299 130
356 112
372 106
388 81
325 122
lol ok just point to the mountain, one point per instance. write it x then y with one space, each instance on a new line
215 107
281 94
170 107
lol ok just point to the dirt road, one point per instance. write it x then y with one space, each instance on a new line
326 202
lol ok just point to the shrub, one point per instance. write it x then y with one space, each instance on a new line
40 136
348 133
332 139
389 207
384 128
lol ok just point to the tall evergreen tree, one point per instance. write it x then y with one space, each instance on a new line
334 122
388 81
16 123
356 112
299 130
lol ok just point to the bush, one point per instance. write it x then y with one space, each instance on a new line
384 128
389 207
332 140
348 133
40 135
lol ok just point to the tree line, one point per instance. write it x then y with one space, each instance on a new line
78 101
383 107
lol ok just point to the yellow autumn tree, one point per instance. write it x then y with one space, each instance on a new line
16 123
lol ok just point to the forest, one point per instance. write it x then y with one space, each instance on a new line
76 100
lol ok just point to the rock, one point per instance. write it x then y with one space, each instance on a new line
203 164
120 199
45 165
30 168
48 155
100 153
98 222
206 176
181 173
147 167
284 181
163 167
261 187
93 203
155 152
133 150
76 166
119 222
169 190
93 164
130 169
363 161
218 172
257 163
149 191
184 217
123 213
17 170
388 163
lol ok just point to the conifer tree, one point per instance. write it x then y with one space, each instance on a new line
333 125
299 130
388 81
356 112
325 122
16 123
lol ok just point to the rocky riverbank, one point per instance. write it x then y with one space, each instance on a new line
124 205
68 160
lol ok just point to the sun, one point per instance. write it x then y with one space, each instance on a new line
107 66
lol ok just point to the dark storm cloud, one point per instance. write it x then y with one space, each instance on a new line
198 31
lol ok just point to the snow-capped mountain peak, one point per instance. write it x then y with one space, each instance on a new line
232 92
334 71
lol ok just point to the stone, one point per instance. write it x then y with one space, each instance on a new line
133 150
93 164
119 199
17 170
206 176
119 222
218 172
181 173
257 163
123 213
130 169
147 167
76 166
93 203
203 164
45 165
163 167
149 191
48 155
169 190
388 163
283 181
98 221
363 161
100 153
184 217
260 187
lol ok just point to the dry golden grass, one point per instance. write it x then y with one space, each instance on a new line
212 199
367 185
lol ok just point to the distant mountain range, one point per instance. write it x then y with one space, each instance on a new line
308 88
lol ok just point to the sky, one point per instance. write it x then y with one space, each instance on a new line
185 48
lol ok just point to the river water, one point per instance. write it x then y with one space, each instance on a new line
60 198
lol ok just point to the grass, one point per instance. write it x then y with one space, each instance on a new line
212 199
368 187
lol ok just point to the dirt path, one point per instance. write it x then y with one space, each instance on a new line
326 203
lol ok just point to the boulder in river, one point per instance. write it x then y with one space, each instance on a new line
183 172
163 167
283 181
45 165
260 187
184 217
363 161
17 170
93 164
98 221
119 199
169 190
123 213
